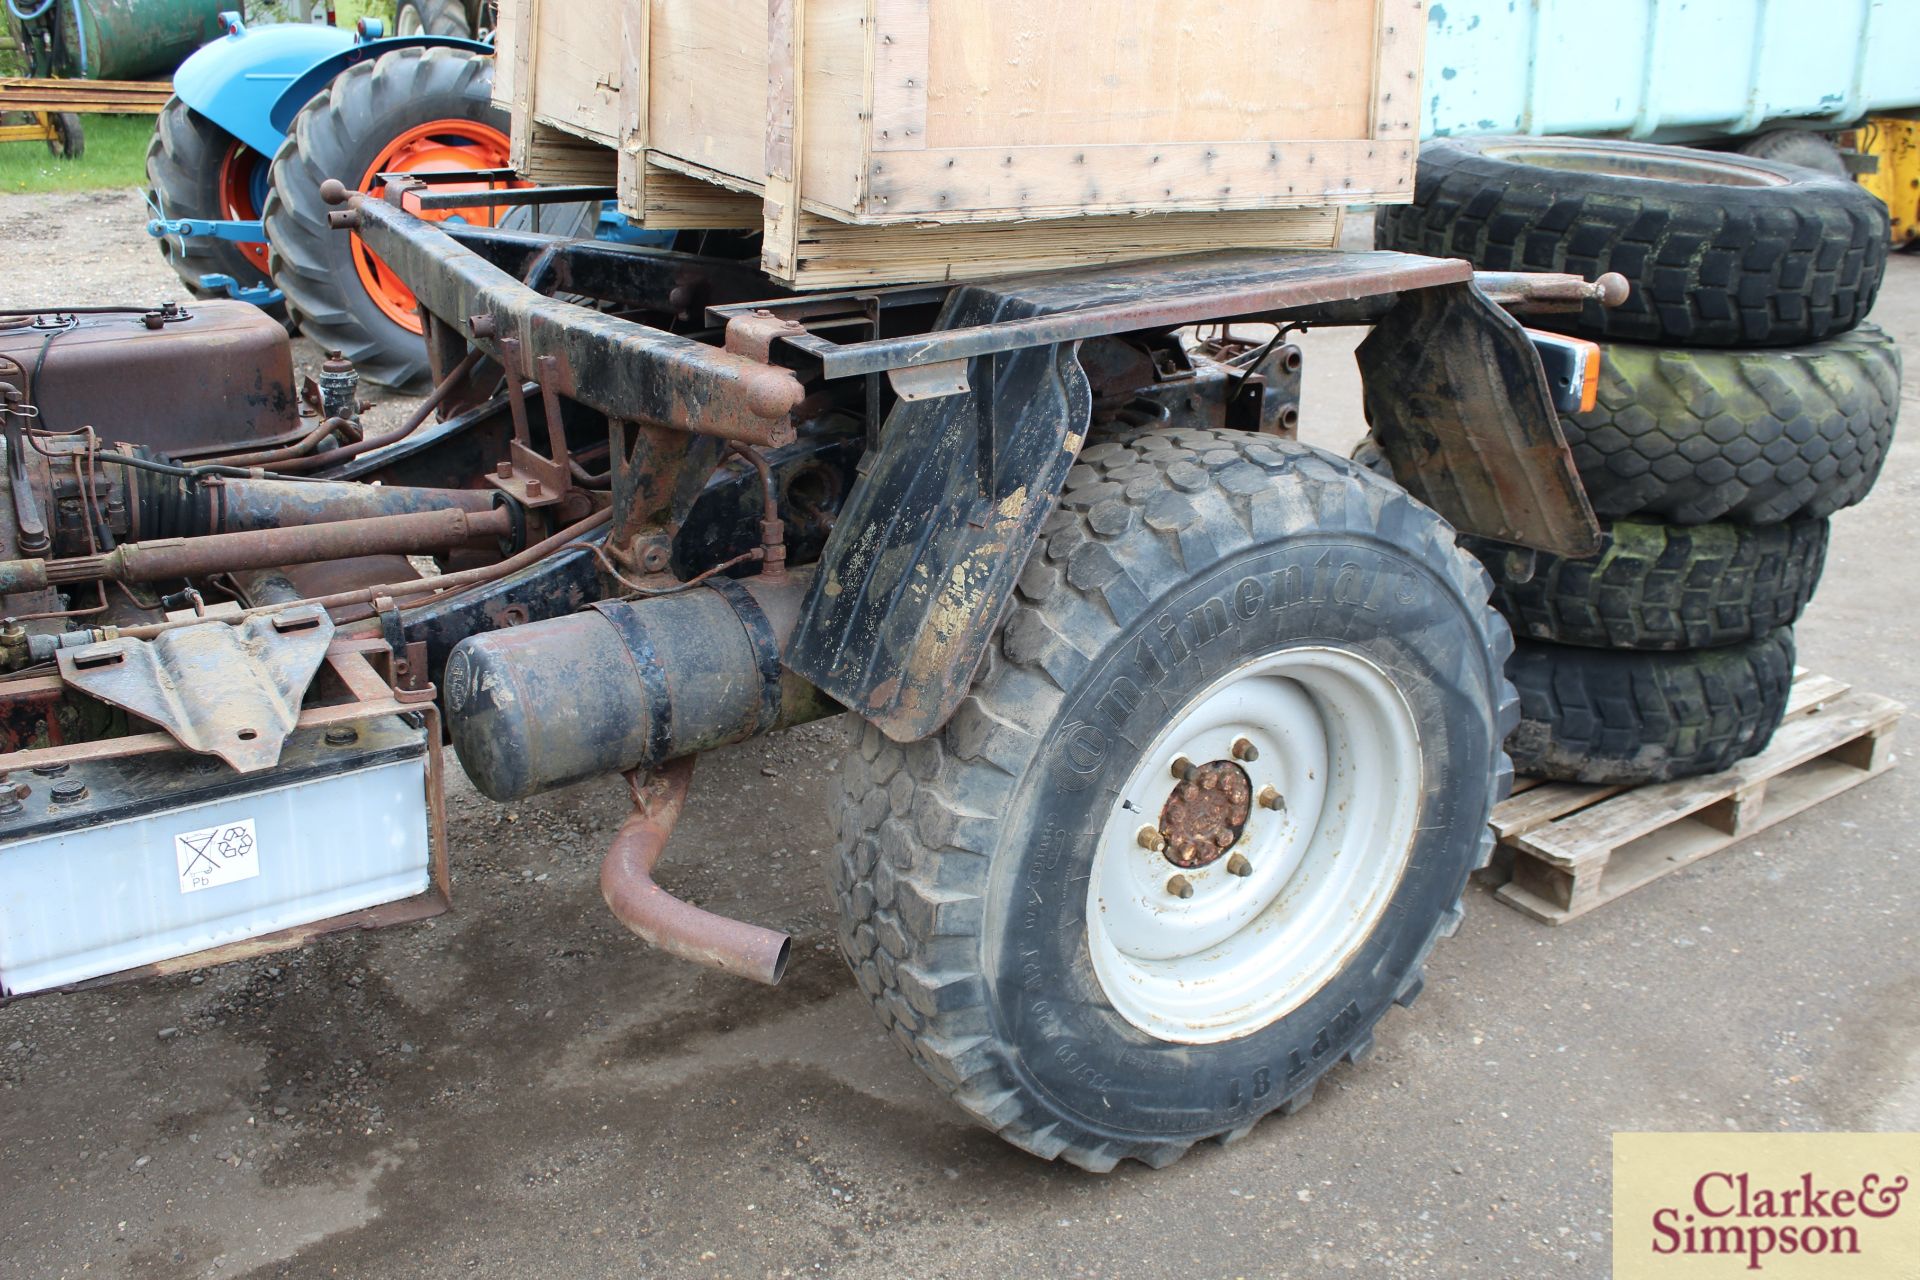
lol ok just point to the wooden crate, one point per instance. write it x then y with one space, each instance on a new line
820 115
1573 847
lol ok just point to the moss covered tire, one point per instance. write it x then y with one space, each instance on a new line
1665 586
1626 718
1213 796
1750 436
411 108
197 170
1721 250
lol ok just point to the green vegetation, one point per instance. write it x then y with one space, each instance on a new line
116 156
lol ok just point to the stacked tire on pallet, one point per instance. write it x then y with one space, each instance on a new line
1742 401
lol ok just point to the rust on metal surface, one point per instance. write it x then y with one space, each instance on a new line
1206 813
227 691
413 533
623 369
639 903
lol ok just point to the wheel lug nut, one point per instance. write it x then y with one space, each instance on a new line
1245 751
1239 866
1182 768
1180 887
1271 799
1150 838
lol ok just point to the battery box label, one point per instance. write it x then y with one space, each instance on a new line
215 856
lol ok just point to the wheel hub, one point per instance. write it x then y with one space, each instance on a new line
1206 813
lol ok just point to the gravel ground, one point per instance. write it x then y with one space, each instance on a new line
519 1088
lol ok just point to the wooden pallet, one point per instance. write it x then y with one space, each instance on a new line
1574 847
92 97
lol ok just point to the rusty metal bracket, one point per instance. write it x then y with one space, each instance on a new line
219 689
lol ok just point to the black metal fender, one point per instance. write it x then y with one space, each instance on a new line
922 561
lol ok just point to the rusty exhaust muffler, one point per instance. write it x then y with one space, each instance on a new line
639 903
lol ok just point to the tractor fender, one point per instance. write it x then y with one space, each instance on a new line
309 83
237 80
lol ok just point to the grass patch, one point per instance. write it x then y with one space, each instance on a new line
116 157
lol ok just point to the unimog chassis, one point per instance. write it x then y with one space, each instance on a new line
1173 740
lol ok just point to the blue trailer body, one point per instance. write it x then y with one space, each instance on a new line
1666 70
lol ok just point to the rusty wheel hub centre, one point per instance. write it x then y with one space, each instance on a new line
1205 814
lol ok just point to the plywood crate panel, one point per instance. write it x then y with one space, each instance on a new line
897 113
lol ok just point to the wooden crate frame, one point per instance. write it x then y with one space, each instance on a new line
1573 847
860 157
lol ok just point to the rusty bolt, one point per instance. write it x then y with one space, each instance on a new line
69 791
533 488
1245 751
1238 865
1151 839
503 469
1271 799
342 736
654 558
1180 887
484 325
1182 768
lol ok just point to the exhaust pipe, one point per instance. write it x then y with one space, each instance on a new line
639 903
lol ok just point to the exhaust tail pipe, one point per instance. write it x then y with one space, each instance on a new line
639 903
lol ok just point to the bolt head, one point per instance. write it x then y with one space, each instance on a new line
1182 767
1271 799
1239 866
1245 751
1180 887
1151 839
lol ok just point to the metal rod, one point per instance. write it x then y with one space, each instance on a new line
511 196
639 903
261 548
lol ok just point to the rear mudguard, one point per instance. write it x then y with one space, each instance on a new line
253 81
920 568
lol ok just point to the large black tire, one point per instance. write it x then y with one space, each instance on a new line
1750 436
1797 146
1625 718
184 160
433 18
963 865
1721 250
1664 586
339 134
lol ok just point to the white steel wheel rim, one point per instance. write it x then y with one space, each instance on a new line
1335 737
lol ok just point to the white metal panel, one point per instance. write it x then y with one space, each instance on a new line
80 904
1665 69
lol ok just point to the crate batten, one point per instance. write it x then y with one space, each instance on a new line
905 114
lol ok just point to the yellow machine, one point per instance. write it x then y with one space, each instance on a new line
1896 144
60 132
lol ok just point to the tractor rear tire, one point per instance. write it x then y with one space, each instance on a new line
1095 987
186 161
340 134
433 18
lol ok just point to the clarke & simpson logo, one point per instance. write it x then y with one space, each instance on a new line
1780 1205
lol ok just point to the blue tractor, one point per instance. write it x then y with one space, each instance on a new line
263 115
